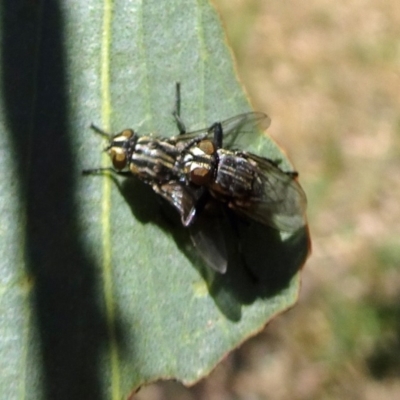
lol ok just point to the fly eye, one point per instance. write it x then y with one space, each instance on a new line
127 133
207 146
121 138
200 176
118 158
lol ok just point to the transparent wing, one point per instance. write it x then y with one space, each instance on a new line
233 129
208 238
281 202
244 125
205 230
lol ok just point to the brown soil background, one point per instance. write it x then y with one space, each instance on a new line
328 74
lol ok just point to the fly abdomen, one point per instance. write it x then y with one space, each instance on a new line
236 176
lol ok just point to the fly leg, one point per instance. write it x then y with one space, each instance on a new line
100 131
177 111
102 170
216 128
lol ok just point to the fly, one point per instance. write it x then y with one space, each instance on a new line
252 186
154 161
202 170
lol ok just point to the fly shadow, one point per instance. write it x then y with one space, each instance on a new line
260 264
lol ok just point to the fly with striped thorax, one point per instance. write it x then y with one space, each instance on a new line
195 169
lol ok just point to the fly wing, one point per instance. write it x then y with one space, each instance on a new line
205 230
208 238
280 203
183 198
241 127
233 129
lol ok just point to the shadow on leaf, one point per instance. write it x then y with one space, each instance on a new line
260 262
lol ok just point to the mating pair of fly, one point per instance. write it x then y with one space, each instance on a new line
205 178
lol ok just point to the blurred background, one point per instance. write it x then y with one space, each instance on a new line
328 74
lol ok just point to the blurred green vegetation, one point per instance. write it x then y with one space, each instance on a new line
328 74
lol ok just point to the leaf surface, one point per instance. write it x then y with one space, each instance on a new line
101 291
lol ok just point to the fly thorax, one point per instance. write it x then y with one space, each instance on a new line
153 159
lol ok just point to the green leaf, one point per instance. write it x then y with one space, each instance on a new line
101 292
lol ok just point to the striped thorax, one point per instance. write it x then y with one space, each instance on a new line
150 159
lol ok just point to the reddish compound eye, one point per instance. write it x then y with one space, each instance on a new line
200 176
118 158
207 146
127 133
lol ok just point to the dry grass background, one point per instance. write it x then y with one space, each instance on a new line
328 74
